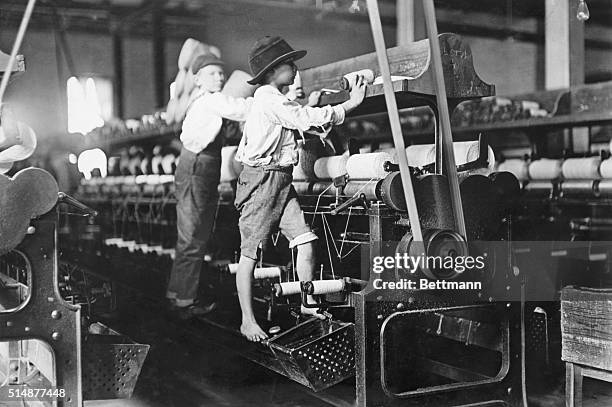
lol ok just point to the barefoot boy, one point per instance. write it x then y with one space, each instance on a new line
265 196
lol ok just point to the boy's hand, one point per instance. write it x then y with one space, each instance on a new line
358 90
357 94
313 98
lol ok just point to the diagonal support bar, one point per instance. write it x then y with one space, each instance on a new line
448 154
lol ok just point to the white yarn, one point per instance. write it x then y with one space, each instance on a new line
545 169
368 166
330 167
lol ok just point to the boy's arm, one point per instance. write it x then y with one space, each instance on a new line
230 107
294 116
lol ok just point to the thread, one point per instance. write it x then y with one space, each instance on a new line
327 286
289 288
581 168
518 167
330 167
228 170
545 169
348 80
267 272
368 166
605 169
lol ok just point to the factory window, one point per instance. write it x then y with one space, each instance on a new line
90 103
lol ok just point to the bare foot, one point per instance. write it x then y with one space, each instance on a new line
312 312
252 331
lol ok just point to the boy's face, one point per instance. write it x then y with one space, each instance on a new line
210 78
284 74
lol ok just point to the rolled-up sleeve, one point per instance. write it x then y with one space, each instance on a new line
292 115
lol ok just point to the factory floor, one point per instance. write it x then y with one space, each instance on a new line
184 371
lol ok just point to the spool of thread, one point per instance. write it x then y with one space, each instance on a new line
228 170
237 86
330 167
168 164
368 166
545 169
267 272
519 168
581 168
308 153
288 288
134 166
156 164
320 287
317 188
348 80
605 169
145 165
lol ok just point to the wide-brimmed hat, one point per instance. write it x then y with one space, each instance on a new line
204 60
20 141
269 52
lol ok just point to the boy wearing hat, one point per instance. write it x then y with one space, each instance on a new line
197 177
265 196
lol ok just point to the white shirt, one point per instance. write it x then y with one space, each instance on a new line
205 117
268 137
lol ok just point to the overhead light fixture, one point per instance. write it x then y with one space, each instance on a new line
583 11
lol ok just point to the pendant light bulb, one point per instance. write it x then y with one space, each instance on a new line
583 11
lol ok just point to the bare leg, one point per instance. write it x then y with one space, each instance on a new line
305 265
244 278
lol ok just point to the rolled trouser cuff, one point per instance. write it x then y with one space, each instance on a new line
302 239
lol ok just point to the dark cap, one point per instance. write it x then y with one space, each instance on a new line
204 60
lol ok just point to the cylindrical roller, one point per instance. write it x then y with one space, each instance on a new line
317 188
267 272
348 80
319 287
519 168
539 188
228 172
392 192
330 167
301 187
605 169
308 154
288 288
370 190
581 168
368 166
507 186
604 188
545 169
578 188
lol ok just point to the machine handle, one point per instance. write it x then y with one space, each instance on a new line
67 199
349 202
